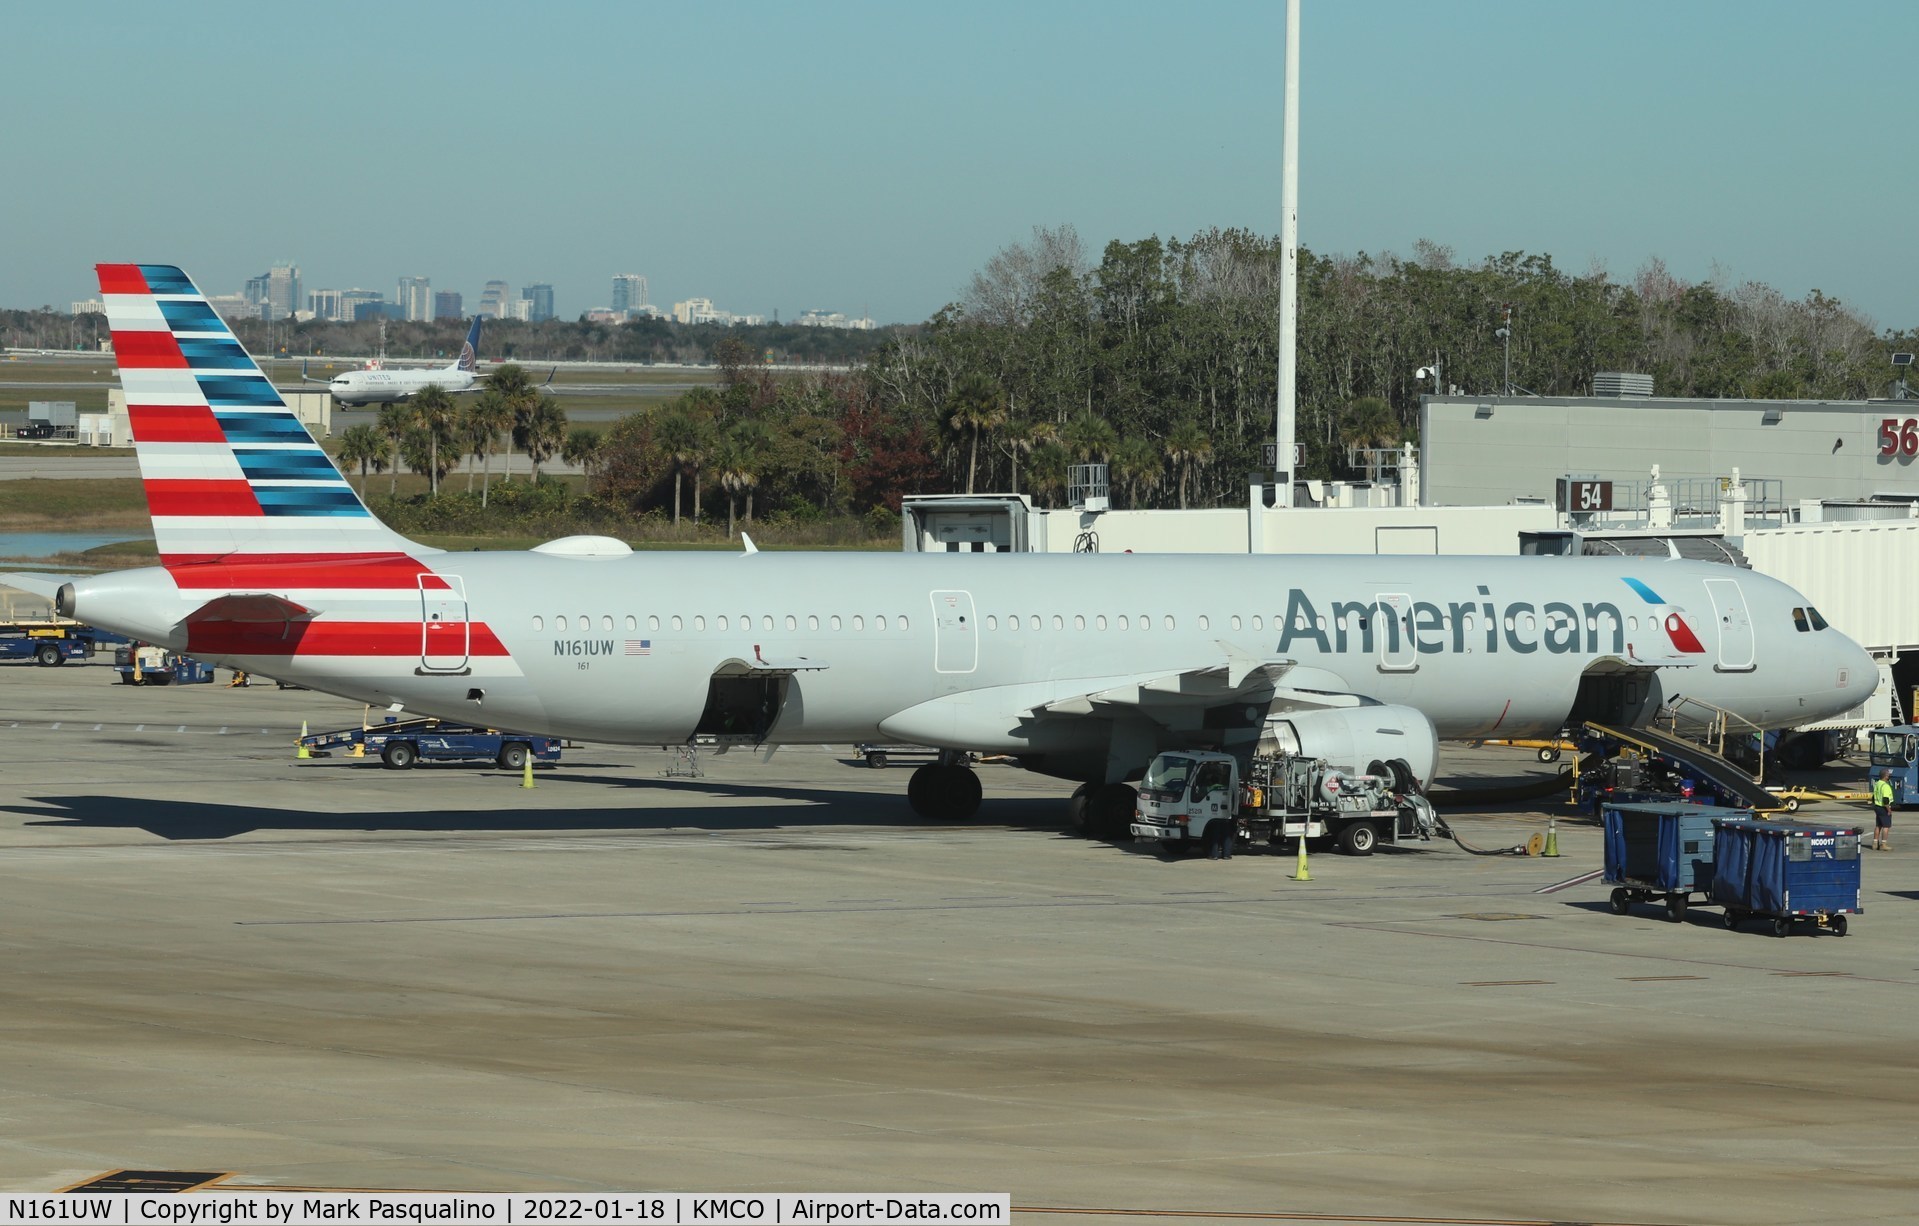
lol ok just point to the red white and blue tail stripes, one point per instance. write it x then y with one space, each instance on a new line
228 467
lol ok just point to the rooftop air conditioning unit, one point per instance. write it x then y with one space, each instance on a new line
1616 383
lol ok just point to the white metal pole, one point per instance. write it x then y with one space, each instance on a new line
1286 430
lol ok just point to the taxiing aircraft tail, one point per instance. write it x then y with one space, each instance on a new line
470 352
229 470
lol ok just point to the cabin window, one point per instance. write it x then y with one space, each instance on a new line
901 619
766 621
606 624
699 621
1122 621
1257 623
653 622
835 621
632 623
1145 621
1527 623
679 623
1320 621
992 621
1100 621
559 623
1079 621
1059 623
720 622
1236 624
539 623
1204 622
859 623
586 622
879 622
812 621
1032 623
1169 621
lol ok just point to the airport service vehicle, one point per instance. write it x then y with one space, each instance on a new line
1897 749
881 755
400 743
146 664
1787 872
1082 667
380 386
1661 851
49 643
1188 800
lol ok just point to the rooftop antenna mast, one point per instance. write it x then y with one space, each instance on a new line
1288 420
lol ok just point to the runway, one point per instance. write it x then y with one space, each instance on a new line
327 974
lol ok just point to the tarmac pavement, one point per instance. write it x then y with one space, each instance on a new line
324 973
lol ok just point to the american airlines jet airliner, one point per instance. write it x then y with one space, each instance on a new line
1081 667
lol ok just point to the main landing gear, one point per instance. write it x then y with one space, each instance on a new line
1102 810
943 792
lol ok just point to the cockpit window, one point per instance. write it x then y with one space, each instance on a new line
1818 622
1799 620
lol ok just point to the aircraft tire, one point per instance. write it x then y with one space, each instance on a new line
1076 809
943 793
919 790
1109 812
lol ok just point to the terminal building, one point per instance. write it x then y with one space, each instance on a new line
1821 494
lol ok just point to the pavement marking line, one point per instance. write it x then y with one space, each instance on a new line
1504 983
1229 1215
1658 978
1494 915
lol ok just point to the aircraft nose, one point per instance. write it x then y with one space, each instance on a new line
1861 672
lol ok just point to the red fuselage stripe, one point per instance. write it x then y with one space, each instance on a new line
398 640
277 572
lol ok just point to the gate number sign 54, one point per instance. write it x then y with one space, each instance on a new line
1899 437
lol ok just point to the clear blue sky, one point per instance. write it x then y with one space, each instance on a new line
869 156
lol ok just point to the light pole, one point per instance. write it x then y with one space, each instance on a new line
1505 334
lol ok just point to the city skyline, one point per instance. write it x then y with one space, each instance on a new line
867 158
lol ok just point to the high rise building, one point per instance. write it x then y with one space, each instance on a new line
283 291
258 290
351 300
541 296
415 298
448 304
629 292
493 300
325 304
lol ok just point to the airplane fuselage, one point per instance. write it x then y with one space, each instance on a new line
949 649
358 387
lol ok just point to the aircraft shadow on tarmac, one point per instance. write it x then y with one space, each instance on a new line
785 808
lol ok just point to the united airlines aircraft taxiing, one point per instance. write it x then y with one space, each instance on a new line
382 386
1080 666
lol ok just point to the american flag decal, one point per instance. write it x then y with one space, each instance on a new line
639 647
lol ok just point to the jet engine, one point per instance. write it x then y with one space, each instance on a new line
1358 739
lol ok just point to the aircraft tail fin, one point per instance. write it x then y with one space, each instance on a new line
470 352
228 468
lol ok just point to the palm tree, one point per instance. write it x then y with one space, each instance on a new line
1188 448
738 460
1089 438
516 388
488 417
678 435
544 432
1369 424
362 447
434 408
1018 438
583 447
1047 470
1137 466
975 405
393 422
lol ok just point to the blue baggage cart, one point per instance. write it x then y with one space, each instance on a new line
1661 851
1786 871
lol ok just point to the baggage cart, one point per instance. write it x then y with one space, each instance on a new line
1661 851
1787 872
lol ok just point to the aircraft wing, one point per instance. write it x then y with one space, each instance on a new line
38 584
1004 718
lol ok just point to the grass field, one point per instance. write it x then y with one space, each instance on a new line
37 504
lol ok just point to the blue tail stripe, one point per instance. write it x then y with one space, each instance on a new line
191 317
166 279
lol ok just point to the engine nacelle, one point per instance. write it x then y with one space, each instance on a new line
1353 738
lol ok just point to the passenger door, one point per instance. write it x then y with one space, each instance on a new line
1393 630
955 633
1735 625
445 636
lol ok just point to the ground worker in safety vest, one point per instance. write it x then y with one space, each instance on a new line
1882 812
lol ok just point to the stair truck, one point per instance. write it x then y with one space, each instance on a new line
1186 795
